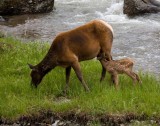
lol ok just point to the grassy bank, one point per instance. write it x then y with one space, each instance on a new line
17 98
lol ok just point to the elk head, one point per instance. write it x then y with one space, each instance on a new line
36 75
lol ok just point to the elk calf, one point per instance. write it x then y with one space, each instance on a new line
123 66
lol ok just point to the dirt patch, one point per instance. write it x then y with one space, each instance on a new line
46 118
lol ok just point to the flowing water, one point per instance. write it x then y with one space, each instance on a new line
138 37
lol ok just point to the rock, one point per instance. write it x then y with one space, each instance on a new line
154 2
15 7
136 7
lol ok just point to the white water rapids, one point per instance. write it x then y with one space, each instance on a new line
138 37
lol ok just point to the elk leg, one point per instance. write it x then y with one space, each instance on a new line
103 74
77 69
68 71
106 49
102 61
108 56
104 56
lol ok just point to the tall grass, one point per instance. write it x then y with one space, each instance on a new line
17 98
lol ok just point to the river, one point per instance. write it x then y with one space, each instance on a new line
138 37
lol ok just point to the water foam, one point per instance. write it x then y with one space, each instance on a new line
116 8
72 1
114 13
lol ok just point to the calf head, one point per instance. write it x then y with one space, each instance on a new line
36 75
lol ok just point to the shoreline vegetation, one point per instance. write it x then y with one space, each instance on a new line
21 104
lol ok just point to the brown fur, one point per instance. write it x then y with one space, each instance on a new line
123 66
71 47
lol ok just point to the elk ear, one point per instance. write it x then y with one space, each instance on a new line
30 66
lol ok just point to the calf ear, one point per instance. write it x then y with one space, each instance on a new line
30 66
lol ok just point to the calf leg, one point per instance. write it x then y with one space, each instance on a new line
137 78
76 67
114 76
132 75
68 71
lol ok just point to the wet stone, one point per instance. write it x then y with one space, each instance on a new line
16 7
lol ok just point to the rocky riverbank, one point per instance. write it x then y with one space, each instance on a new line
46 118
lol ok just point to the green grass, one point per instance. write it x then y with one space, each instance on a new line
17 98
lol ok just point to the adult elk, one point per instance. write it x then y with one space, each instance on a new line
71 47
